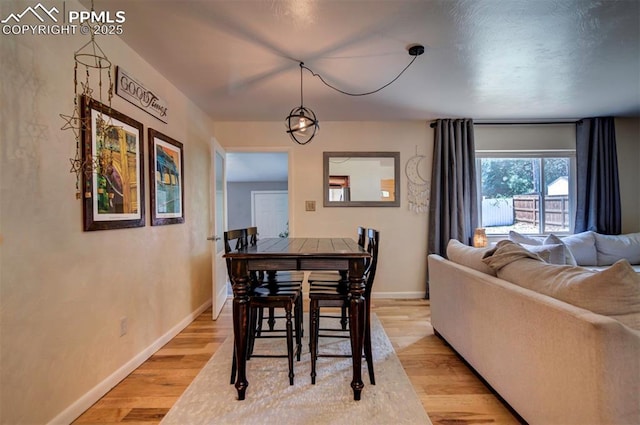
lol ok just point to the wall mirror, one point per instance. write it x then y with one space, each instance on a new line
361 179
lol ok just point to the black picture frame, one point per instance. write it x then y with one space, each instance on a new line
166 179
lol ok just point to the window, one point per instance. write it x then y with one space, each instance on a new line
529 192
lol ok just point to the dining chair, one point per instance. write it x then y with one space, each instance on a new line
267 294
281 279
334 279
338 296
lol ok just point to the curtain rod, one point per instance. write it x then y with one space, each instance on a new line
433 123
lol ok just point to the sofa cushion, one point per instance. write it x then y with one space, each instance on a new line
583 247
611 248
614 291
468 256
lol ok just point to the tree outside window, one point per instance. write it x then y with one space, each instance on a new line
526 193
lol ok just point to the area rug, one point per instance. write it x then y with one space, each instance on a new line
210 399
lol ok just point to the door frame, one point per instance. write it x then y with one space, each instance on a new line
218 295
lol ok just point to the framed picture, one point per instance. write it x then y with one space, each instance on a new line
166 179
113 159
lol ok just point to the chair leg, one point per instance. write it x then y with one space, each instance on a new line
234 366
272 320
367 345
298 326
344 320
313 337
254 312
289 342
259 321
301 309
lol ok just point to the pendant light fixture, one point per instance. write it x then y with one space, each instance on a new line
302 124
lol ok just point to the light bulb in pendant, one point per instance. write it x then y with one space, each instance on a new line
302 124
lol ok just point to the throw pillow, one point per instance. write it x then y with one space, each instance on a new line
614 291
549 253
583 247
568 256
552 253
506 252
611 248
524 239
468 256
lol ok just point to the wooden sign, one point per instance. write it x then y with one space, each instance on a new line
135 92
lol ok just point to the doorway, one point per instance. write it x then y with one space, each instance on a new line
255 171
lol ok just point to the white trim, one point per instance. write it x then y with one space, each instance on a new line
399 295
218 263
222 295
389 295
78 407
529 153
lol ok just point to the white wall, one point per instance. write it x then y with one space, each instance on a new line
63 291
403 234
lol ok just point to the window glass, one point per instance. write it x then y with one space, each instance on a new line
556 194
528 193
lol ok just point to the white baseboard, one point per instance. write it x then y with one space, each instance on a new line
87 400
221 298
389 295
398 295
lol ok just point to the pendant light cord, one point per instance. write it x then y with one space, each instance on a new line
302 65
301 99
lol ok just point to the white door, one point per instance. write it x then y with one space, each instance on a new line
270 212
219 207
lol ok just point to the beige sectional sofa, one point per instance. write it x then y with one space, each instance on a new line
552 361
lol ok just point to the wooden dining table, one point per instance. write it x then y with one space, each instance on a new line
284 254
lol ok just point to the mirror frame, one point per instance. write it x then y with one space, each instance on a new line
325 180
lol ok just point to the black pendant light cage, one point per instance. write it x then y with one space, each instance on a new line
301 123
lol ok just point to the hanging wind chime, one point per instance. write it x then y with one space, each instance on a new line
87 59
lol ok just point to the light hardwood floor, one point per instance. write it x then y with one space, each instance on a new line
450 392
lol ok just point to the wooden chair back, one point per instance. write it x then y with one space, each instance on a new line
372 248
237 238
361 236
252 236
252 240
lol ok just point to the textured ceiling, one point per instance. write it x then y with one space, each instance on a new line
484 59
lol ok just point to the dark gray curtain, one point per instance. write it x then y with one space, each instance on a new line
453 207
598 197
